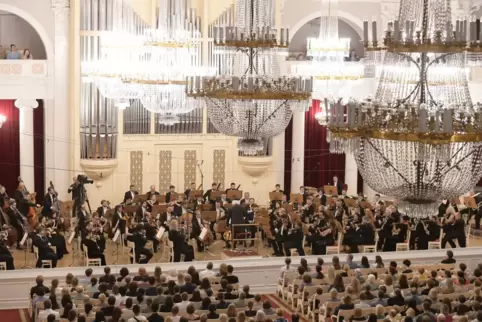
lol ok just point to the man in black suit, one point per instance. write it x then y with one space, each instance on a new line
197 226
109 309
44 251
130 195
102 210
16 220
338 184
93 249
187 193
237 216
152 192
39 287
76 190
232 187
49 199
82 221
139 239
179 244
172 190
207 194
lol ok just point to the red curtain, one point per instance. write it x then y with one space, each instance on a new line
288 155
320 164
9 146
38 147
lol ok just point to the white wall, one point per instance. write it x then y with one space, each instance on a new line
15 30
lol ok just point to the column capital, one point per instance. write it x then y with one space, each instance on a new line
26 104
61 9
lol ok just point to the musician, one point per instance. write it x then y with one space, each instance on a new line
49 199
44 251
294 239
197 226
179 243
93 248
97 227
179 207
338 184
459 231
172 191
276 224
152 192
236 216
151 232
151 202
422 234
3 193
245 199
17 220
308 210
138 237
22 199
119 220
207 194
304 193
104 208
277 188
224 199
383 222
232 187
320 193
130 195
141 212
5 255
366 232
398 233
55 239
220 214
187 193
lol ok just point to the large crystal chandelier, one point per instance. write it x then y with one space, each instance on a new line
420 139
250 98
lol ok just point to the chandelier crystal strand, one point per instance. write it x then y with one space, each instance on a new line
419 139
333 77
249 98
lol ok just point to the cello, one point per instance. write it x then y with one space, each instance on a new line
32 215
12 235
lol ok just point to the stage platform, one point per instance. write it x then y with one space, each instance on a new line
238 254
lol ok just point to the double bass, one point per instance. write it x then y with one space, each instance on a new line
11 232
32 215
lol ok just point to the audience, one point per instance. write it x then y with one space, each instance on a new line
13 54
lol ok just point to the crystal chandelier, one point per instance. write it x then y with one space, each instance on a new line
420 139
250 98
333 76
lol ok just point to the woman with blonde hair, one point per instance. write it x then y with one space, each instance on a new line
335 263
380 311
260 316
231 311
355 286
180 279
330 274
372 282
449 287
388 282
223 270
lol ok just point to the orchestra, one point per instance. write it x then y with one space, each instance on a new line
313 219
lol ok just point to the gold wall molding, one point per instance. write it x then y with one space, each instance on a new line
137 170
189 168
219 167
165 171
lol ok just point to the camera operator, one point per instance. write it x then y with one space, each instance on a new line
79 194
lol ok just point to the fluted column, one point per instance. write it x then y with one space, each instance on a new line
57 118
26 142
298 151
351 174
278 148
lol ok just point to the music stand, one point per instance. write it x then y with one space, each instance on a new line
207 206
196 194
209 215
109 214
216 195
287 207
296 197
330 190
350 202
228 205
130 209
365 205
158 209
139 198
330 201
174 196
388 203
317 202
470 202
275 196
234 194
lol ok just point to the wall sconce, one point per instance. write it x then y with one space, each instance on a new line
3 119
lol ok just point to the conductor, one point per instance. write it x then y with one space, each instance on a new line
238 217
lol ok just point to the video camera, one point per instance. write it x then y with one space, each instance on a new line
83 179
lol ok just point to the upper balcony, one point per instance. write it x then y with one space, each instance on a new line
25 79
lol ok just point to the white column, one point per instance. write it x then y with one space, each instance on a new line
368 192
351 174
59 141
278 153
26 147
298 150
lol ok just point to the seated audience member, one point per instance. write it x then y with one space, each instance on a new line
142 275
80 294
208 272
246 292
449 259
72 316
241 301
105 277
396 299
137 315
358 315
39 286
232 279
43 314
190 310
250 312
346 304
168 304
364 302
184 303
155 317
117 315
14 54
88 275
205 304
188 286
267 308
222 304
196 297
109 309
41 297
212 312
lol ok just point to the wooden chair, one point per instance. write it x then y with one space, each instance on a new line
132 251
90 261
436 244
346 314
45 263
3 266
336 248
305 295
405 245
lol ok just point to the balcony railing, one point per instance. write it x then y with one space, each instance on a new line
18 75
30 68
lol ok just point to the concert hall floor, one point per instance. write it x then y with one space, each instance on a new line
215 253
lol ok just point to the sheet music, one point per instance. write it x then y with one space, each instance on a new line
236 202
203 233
71 238
24 239
160 233
116 235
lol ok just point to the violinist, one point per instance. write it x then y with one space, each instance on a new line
17 220
55 239
130 195
151 202
303 193
151 231
448 227
179 207
22 199
180 244
138 237
308 210
320 193
94 250
197 226
40 241
119 220
3 193
422 233
141 212
207 194
245 199
49 199
5 255
294 238
97 228
83 218
275 224
152 192
104 208
231 187
198 202
224 199
172 190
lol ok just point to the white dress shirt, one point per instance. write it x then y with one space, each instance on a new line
206 273
43 314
